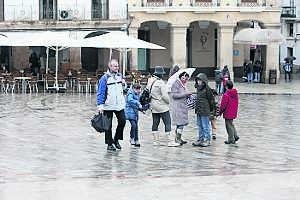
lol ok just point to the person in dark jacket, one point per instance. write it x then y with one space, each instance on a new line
132 108
229 109
257 71
250 72
204 106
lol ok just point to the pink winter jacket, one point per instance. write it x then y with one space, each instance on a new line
229 104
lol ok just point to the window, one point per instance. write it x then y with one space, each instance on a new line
48 9
290 30
99 9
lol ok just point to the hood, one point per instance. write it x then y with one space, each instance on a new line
232 93
202 76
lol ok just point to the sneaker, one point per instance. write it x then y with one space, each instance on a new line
132 142
197 143
111 148
205 143
137 144
117 144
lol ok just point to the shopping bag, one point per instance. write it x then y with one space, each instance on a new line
100 122
191 101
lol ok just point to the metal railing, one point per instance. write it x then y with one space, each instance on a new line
32 13
205 3
156 3
288 12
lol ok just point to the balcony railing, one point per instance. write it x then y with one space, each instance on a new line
205 3
156 3
31 13
288 12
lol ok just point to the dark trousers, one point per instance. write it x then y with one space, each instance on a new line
166 119
287 76
134 129
231 131
120 128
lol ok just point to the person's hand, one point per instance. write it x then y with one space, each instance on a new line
189 93
100 111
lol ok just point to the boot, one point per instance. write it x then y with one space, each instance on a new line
155 138
171 140
178 137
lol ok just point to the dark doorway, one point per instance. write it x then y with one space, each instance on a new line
189 46
89 59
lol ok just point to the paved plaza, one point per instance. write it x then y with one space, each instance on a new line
49 151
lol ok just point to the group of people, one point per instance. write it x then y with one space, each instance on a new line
110 99
253 71
221 77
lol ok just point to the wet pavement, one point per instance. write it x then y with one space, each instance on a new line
46 143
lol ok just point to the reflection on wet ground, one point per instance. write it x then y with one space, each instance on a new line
48 137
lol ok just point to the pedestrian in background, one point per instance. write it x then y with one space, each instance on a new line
257 71
229 109
250 72
287 67
225 77
159 106
110 100
132 108
218 81
204 106
179 94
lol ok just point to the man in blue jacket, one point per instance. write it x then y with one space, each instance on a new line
110 99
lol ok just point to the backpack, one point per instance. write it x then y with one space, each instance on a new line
145 98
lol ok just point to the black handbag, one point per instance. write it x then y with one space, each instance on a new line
100 123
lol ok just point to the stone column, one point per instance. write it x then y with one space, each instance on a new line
272 60
178 45
133 31
272 57
226 48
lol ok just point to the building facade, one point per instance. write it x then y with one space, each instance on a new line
290 19
199 33
83 17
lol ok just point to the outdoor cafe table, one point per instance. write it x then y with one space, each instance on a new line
23 79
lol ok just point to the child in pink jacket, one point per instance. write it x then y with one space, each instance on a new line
229 109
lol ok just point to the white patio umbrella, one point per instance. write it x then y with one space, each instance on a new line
56 41
258 36
119 40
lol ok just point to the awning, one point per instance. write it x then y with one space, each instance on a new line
258 36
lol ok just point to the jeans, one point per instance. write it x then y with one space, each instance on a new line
120 128
166 119
134 130
250 77
257 77
204 127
